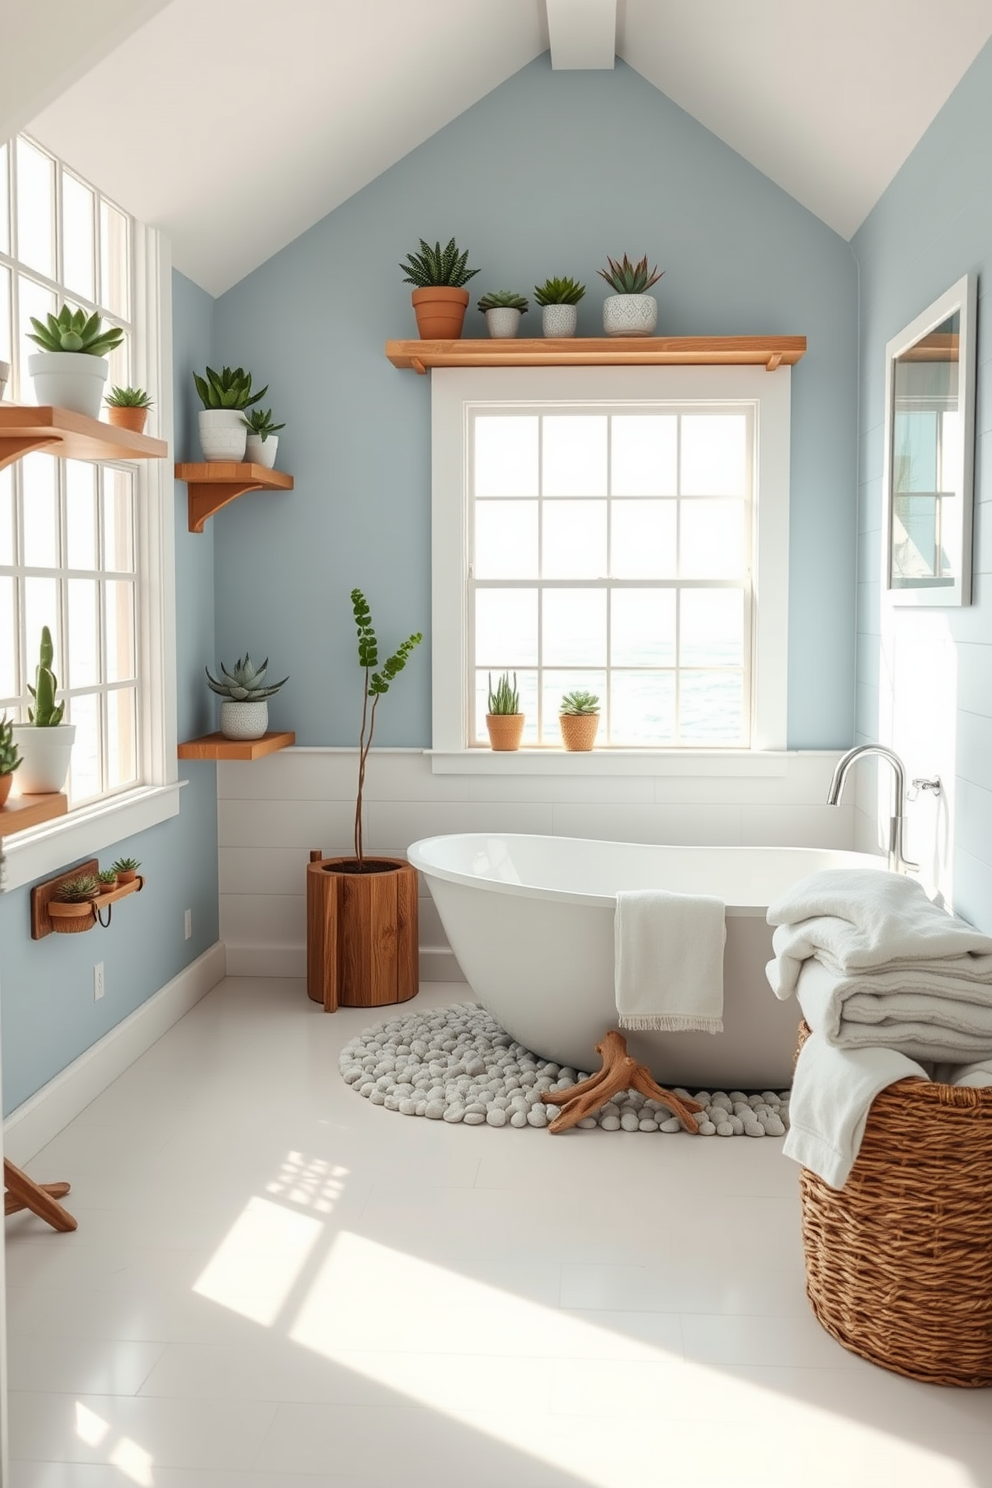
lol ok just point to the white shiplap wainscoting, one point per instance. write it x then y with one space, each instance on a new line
274 810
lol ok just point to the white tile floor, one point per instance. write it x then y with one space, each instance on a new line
275 1283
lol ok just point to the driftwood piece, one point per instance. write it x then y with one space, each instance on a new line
23 1192
620 1072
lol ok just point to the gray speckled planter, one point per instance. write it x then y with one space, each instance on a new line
502 322
630 315
559 320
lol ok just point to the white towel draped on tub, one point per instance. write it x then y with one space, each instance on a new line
669 961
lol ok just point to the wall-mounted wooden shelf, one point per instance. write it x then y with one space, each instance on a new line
22 812
216 747
602 351
48 914
70 436
216 483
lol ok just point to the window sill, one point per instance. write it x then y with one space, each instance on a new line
79 834
696 763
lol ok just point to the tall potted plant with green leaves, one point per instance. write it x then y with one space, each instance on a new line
45 742
362 929
225 395
439 297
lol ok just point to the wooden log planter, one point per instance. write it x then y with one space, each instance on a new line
50 915
362 932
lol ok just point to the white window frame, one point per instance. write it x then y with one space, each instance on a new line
458 391
100 824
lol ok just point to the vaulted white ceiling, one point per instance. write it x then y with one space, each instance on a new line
252 120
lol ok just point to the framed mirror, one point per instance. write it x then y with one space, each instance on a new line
929 453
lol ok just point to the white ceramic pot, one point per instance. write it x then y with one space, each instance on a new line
502 322
69 379
223 434
559 320
45 755
630 315
4 374
244 720
261 451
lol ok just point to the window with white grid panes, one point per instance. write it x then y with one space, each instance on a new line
68 542
610 550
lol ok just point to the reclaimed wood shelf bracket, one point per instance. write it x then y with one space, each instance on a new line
216 483
217 747
48 914
769 352
70 436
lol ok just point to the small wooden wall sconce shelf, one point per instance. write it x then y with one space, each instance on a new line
70 436
50 915
216 483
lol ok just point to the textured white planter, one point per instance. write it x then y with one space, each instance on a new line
502 322
69 379
4 374
244 720
630 315
559 320
222 433
261 451
45 754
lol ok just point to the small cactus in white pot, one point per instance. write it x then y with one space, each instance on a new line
244 714
503 309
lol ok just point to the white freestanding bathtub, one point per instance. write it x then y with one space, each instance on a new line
530 920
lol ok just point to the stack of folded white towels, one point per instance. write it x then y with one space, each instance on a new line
892 988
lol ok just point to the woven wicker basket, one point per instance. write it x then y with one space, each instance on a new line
899 1261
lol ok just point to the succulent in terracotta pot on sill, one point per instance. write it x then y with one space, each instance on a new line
439 297
579 719
504 720
127 408
9 758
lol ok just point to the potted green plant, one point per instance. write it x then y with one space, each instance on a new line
263 441
9 758
559 301
71 368
244 714
362 940
504 720
126 869
503 309
579 719
631 311
127 408
107 879
225 395
45 742
73 908
439 297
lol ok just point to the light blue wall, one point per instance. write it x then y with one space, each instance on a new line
49 1015
548 174
933 225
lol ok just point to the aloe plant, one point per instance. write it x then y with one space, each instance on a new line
504 299
505 699
559 292
242 683
259 421
129 397
46 713
437 265
10 756
74 330
629 278
578 703
126 865
228 388
376 687
78 889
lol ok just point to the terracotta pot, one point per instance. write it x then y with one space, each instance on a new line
505 730
578 730
127 418
127 875
363 943
6 781
440 311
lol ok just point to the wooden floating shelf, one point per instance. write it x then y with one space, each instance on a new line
216 483
602 351
49 914
22 812
70 436
216 747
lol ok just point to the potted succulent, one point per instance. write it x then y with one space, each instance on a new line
579 719
503 309
631 311
263 441
504 719
73 908
127 408
45 742
71 368
245 712
9 758
126 870
439 297
225 395
362 940
559 301
107 879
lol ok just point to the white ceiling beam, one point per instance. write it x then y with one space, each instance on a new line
583 33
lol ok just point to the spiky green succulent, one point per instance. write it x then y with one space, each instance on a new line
242 683
576 703
74 330
259 421
559 292
437 265
78 889
10 756
125 865
228 388
46 713
504 299
629 278
505 699
107 876
129 397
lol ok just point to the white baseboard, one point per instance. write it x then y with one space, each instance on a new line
43 1115
437 963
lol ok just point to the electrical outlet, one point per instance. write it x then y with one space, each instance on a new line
98 981
188 924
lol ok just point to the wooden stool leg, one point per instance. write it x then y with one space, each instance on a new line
24 1193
